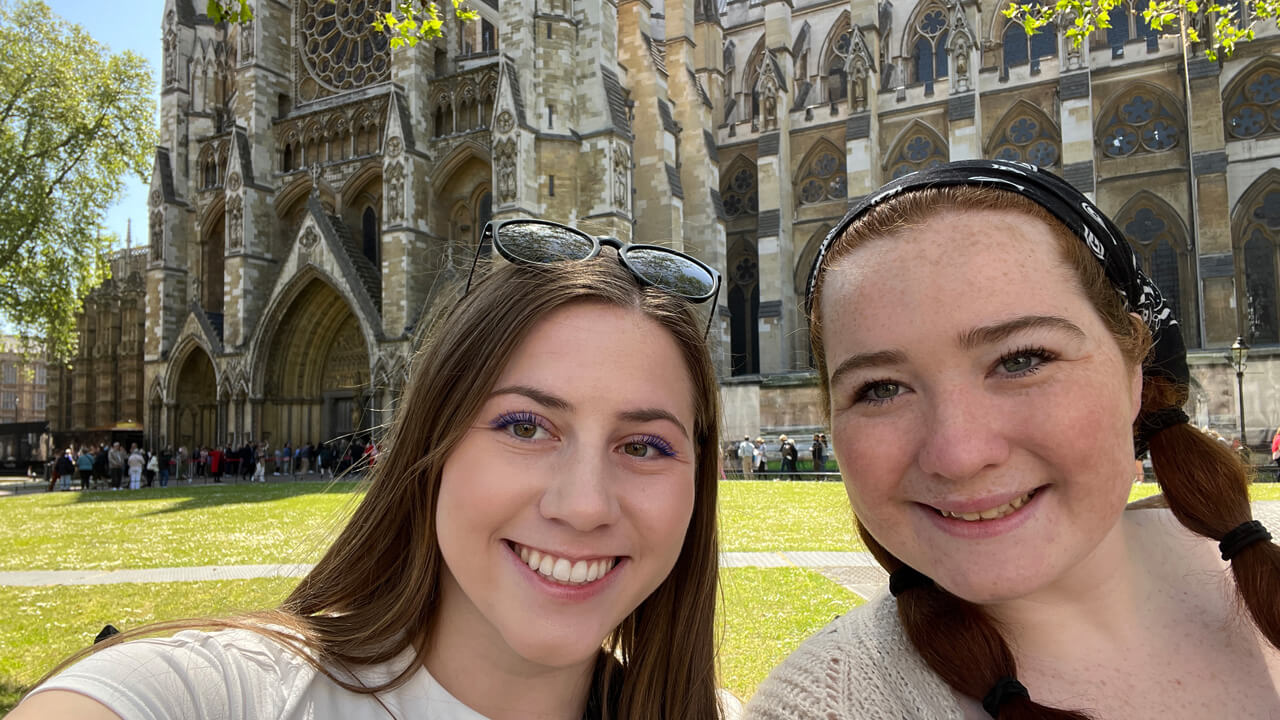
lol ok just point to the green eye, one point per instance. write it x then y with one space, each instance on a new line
1017 363
884 391
524 430
636 449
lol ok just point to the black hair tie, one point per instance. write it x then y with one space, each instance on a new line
1150 425
1006 689
905 578
1244 535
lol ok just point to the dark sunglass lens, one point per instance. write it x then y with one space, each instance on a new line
541 243
672 272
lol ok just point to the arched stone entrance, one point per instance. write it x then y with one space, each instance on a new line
195 412
316 385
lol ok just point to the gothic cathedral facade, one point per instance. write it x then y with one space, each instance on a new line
317 195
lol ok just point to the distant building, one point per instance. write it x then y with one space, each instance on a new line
23 383
316 197
99 392
24 378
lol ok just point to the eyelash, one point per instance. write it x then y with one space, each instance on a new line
662 446
1034 351
506 420
863 394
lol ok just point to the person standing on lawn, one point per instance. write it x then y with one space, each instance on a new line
787 449
538 536
117 458
989 440
65 467
746 455
84 464
818 451
135 461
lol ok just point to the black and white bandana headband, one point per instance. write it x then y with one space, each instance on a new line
1168 356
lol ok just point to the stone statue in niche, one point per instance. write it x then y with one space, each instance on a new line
395 192
156 233
504 155
235 221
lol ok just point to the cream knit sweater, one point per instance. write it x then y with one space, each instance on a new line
861 666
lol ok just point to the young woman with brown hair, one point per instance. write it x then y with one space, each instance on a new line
993 360
537 540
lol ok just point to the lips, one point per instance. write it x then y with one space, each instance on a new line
992 513
564 571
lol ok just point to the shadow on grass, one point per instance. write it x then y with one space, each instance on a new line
11 692
196 497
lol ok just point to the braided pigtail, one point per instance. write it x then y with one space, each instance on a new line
960 642
1207 488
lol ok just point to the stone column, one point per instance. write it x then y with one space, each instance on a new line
778 318
1224 306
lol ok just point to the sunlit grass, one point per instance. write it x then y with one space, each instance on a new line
43 625
171 527
763 515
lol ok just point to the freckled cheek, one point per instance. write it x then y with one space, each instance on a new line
873 462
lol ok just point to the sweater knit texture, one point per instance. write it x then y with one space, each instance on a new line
861 666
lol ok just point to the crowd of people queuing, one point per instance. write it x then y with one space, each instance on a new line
752 456
116 467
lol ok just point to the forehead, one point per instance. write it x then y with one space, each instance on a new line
956 267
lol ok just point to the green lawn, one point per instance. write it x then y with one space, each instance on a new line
172 527
766 612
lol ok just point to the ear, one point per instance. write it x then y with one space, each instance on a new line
1135 381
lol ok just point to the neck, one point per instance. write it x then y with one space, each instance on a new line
1101 603
471 660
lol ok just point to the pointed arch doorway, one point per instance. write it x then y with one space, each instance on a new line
196 402
316 385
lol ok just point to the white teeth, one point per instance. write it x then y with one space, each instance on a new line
993 513
563 570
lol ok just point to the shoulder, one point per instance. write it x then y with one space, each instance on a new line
191 674
860 665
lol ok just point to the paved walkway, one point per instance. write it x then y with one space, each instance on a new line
856 571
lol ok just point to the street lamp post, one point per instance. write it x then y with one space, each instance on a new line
1239 353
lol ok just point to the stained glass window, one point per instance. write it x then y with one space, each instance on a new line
1252 106
1141 122
921 149
823 176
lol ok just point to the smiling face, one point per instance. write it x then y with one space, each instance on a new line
981 411
566 503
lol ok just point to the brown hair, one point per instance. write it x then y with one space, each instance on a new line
374 592
1204 482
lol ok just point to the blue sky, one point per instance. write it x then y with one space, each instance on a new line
128 25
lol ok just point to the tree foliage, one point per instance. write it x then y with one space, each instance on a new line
411 21
74 119
1216 26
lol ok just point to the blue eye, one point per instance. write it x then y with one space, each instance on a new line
521 425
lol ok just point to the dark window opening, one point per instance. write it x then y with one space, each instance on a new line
369 233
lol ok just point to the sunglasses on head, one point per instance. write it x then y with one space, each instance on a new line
541 242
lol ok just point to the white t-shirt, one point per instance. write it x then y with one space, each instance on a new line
242 675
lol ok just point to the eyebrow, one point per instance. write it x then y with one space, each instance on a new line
968 340
558 403
991 334
543 398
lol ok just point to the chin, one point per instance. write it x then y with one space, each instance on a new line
556 651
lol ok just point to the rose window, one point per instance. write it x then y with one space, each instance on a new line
339 47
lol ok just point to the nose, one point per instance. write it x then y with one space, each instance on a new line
582 495
965 434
